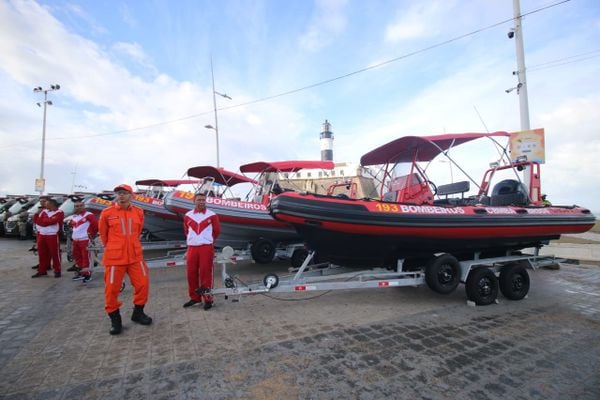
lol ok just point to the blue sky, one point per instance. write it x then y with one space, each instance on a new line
126 65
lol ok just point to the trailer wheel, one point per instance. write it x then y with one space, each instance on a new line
442 274
298 257
271 281
263 251
229 283
514 282
482 286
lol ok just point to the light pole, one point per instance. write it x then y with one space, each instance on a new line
41 184
216 127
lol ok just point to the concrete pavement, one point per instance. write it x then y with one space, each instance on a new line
367 344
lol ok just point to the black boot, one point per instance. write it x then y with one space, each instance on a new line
115 320
139 316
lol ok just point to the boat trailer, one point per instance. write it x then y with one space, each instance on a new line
483 277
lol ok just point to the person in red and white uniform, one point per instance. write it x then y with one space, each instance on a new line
84 226
49 222
201 227
34 248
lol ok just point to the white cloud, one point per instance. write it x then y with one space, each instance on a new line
422 19
327 23
99 95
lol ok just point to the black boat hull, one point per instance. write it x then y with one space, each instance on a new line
357 232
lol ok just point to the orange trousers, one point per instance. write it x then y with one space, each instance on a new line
81 255
199 263
48 252
113 278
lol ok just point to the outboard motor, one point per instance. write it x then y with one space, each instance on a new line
509 192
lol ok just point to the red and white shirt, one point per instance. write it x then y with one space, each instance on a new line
49 222
84 225
201 227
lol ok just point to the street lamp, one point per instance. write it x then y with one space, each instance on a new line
216 127
40 184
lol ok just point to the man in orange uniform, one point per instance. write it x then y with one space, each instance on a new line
120 227
49 222
201 227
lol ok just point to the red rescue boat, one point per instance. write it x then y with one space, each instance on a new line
408 222
244 221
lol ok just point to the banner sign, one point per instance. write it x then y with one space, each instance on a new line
528 145
40 185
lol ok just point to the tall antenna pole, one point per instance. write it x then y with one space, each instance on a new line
520 72
522 78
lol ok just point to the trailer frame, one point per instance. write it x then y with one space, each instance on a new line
329 277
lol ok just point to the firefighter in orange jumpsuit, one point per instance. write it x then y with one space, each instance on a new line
201 227
120 226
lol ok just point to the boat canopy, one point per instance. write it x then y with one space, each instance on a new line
285 166
420 148
167 182
220 175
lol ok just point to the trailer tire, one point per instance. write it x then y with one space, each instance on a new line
482 286
298 257
229 283
514 282
263 251
442 274
271 281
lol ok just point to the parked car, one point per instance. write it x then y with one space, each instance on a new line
17 212
5 204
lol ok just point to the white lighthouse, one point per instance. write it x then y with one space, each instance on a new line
326 142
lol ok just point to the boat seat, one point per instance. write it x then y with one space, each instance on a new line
453 188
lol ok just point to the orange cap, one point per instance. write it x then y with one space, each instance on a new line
123 186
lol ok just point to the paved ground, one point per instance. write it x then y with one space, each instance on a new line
392 343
